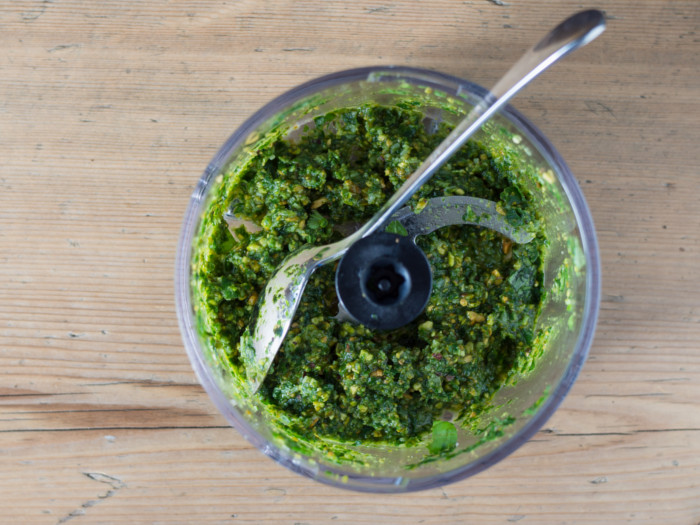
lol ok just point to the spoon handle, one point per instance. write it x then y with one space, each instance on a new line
572 33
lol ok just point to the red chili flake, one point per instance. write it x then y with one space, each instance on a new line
449 377
437 356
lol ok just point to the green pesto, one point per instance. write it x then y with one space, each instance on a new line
342 381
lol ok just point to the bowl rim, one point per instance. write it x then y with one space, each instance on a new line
342 478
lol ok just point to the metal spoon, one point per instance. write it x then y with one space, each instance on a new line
280 299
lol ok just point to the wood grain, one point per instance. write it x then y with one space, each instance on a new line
109 111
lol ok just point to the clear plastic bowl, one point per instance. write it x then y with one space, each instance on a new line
572 276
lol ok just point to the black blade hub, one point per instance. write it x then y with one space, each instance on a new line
384 281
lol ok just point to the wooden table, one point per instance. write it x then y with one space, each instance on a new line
109 111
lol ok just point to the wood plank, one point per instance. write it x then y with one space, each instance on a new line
109 112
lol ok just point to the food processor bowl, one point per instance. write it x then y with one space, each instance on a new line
566 324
